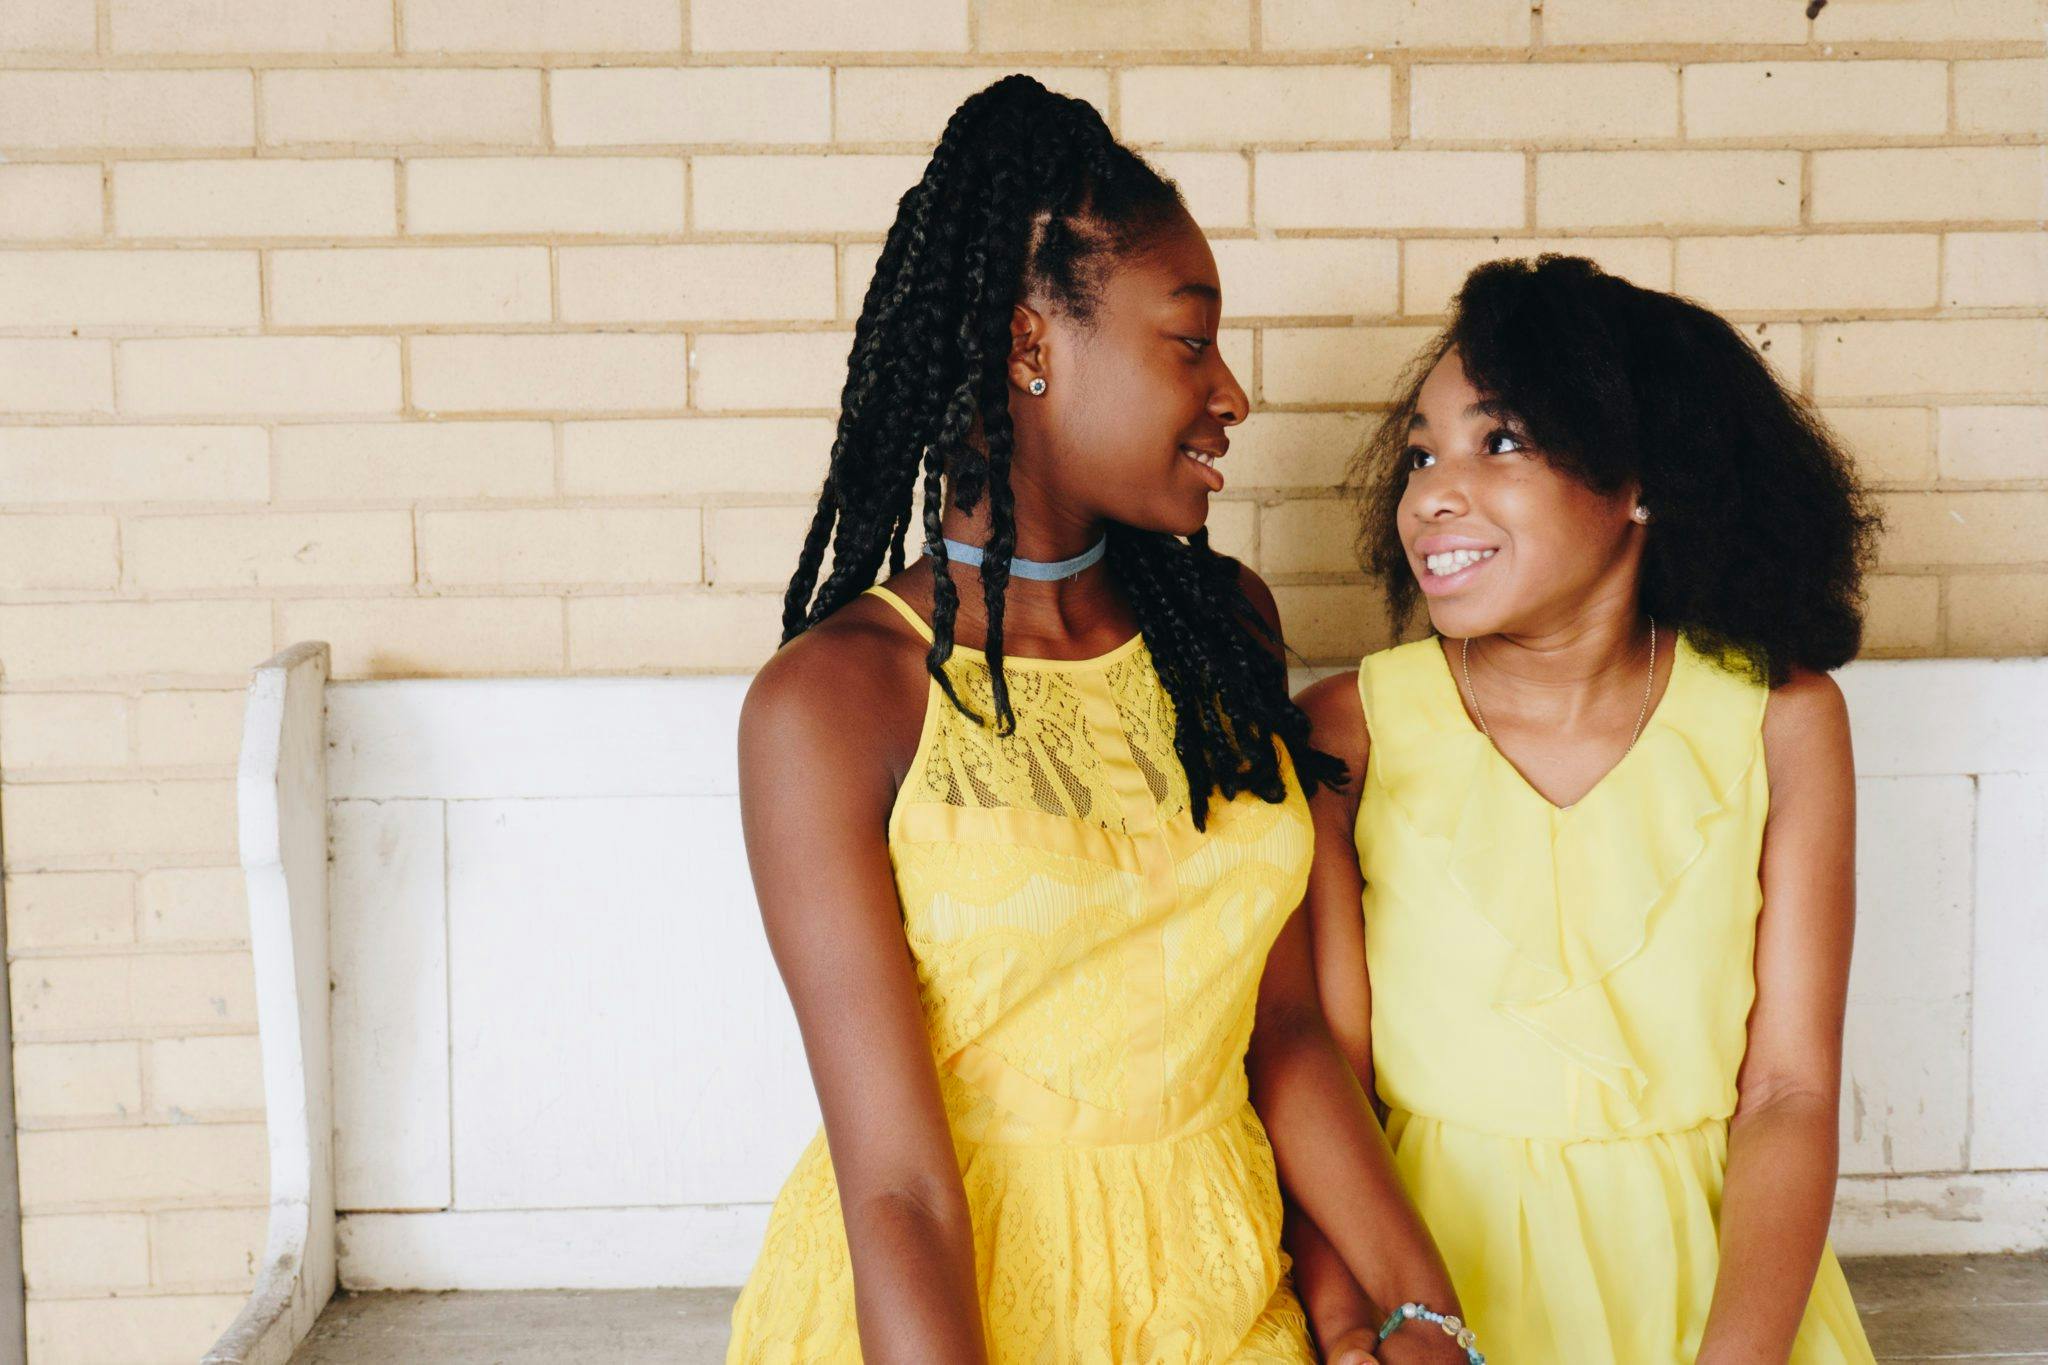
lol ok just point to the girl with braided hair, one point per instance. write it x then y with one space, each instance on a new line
1030 894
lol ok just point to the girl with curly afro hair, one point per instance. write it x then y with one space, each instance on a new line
1582 914
1028 818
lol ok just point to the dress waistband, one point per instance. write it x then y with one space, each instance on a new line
1407 1116
991 1105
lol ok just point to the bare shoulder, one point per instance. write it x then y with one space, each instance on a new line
862 661
1807 707
1333 703
1336 719
1806 729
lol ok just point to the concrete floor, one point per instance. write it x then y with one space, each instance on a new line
1918 1310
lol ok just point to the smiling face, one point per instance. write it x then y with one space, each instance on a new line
1138 399
1499 539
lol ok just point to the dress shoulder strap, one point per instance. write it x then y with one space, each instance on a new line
905 610
1401 690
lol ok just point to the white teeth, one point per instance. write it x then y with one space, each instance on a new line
1450 561
1199 456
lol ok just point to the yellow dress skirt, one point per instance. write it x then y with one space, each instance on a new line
1559 1009
1088 964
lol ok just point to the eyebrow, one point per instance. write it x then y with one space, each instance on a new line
1485 407
1199 290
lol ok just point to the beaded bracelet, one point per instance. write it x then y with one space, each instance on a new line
1453 1328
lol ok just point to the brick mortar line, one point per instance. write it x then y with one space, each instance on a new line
552 142
669 326
101 1123
1402 92
266 289
105 421
259 125
124 952
139 862
406 406
31 154
136 1033
749 500
132 947
1334 406
694 589
850 237
1840 51
146 1207
129 1293
125 582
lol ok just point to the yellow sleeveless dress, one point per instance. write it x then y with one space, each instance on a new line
1559 1007
1088 962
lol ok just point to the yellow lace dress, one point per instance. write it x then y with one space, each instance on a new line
1559 1008
1088 963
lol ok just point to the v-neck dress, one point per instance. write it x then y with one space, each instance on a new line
1088 965
1560 1000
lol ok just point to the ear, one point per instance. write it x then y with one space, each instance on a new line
1030 346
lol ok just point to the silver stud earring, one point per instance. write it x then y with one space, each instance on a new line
1037 387
1641 515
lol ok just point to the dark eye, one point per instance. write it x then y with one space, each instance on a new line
1415 457
1515 442
1199 344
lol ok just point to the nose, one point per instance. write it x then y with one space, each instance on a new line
1228 402
1437 494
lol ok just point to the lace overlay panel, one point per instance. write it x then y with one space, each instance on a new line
1106 951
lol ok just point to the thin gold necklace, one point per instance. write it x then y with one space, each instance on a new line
1649 685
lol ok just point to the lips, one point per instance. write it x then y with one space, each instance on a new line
1447 562
1204 456
1450 562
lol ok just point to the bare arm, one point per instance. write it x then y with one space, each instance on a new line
1343 1317
1780 1184
815 795
1332 1157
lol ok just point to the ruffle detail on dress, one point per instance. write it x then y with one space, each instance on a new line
1572 894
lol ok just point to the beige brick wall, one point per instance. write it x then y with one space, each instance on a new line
502 336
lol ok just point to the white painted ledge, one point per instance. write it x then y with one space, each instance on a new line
281 807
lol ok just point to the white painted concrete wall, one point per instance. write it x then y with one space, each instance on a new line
1945 1098
562 1056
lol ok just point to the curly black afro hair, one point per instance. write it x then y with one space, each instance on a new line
1760 532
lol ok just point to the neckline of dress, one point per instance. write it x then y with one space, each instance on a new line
1679 651
1029 661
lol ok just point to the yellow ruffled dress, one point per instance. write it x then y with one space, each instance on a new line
1088 963
1559 1008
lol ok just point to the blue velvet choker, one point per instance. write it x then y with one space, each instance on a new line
1038 570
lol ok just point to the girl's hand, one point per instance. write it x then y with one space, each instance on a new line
1354 1347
